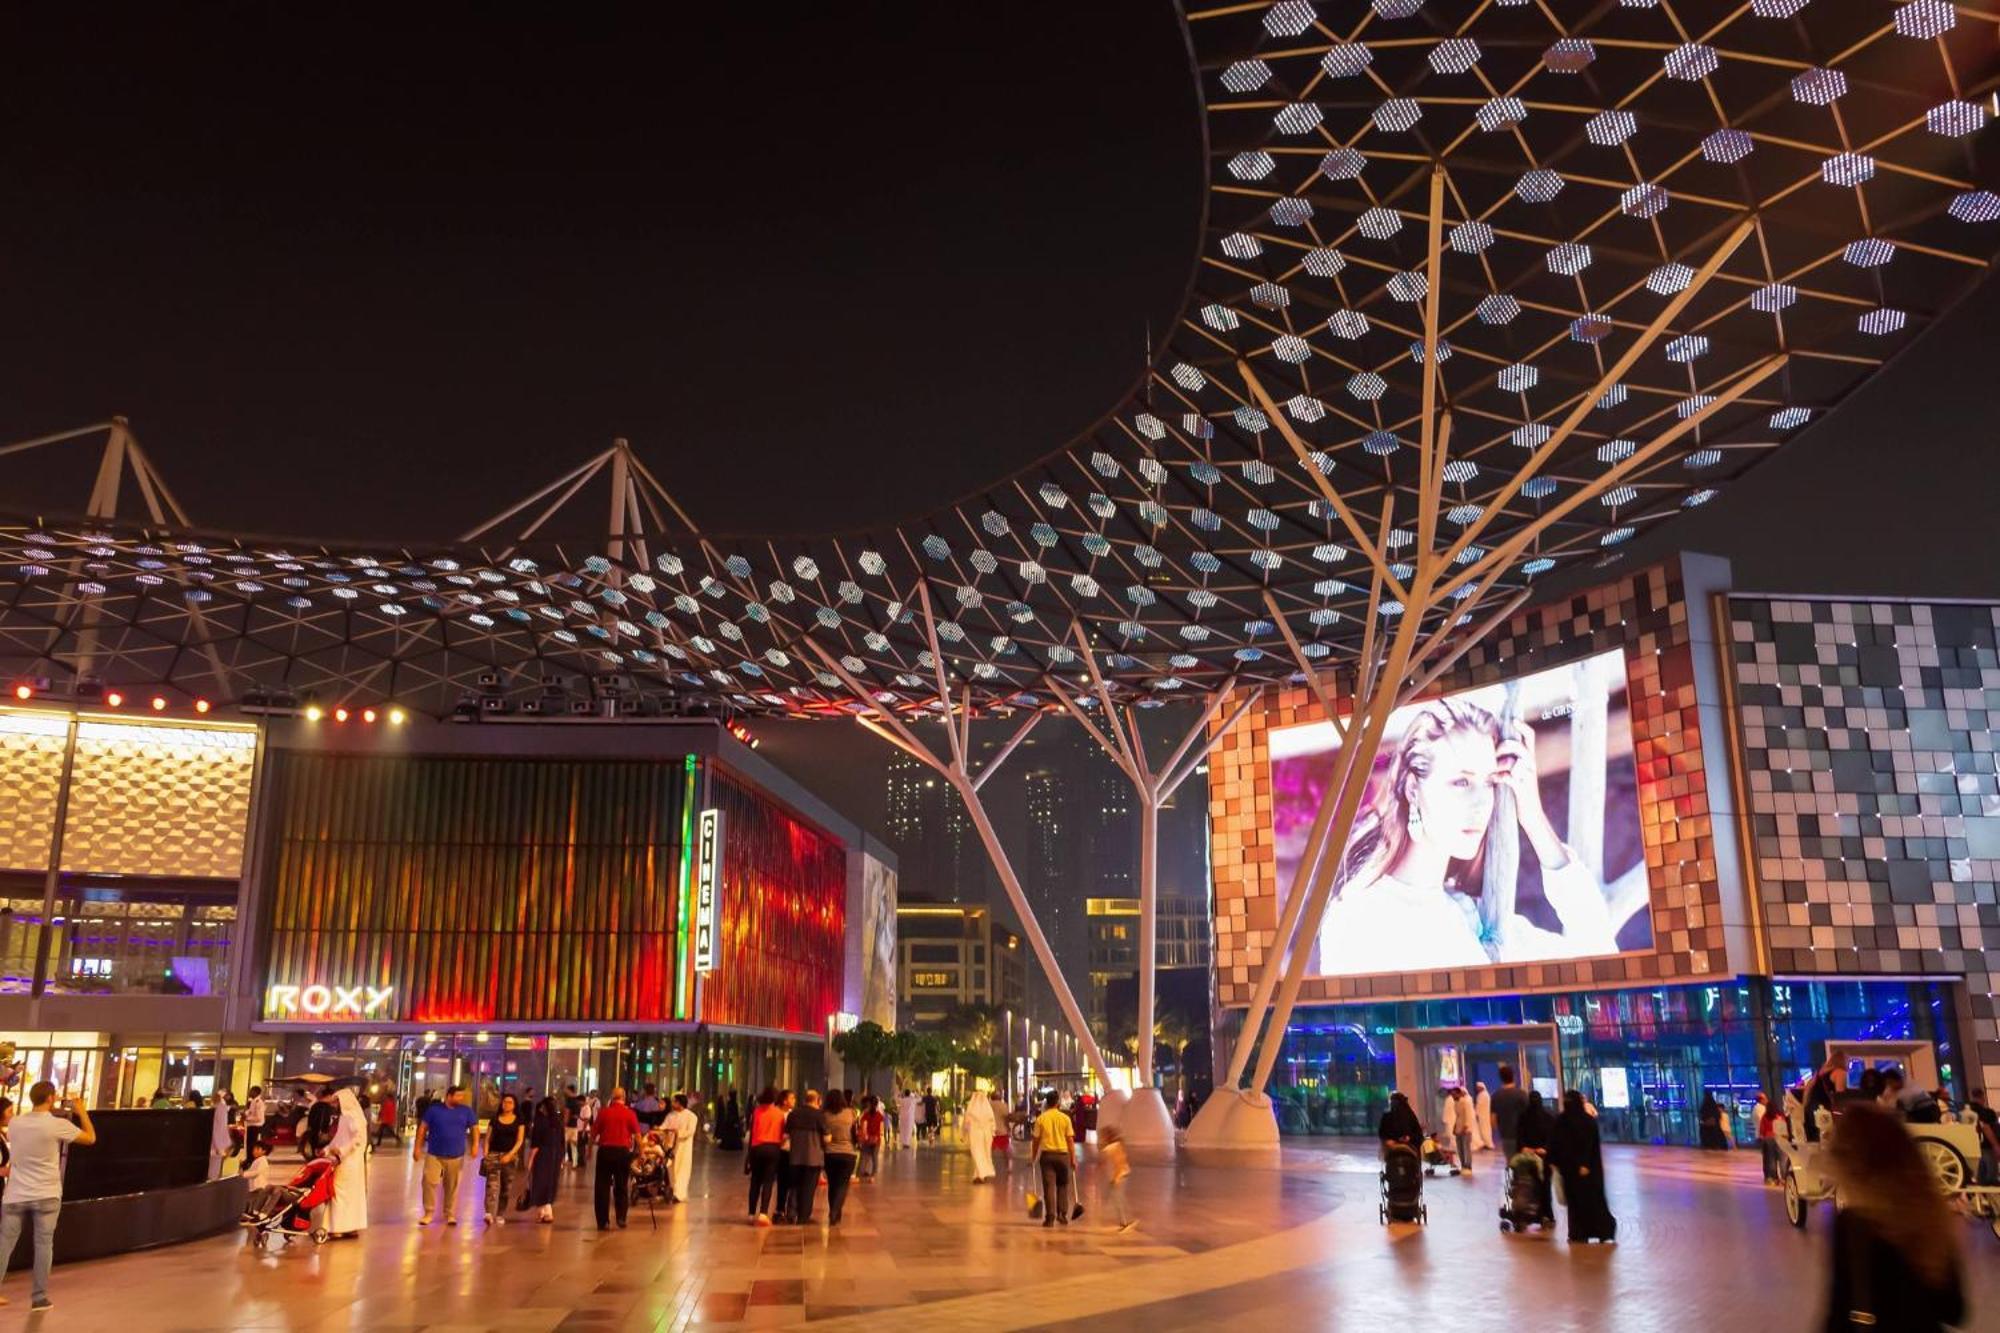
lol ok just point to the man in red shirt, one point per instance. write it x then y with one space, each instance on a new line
616 1130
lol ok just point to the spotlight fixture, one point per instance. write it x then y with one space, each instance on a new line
113 699
340 715
314 712
24 691
159 703
367 715
201 705
397 717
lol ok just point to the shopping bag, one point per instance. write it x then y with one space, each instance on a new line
1034 1206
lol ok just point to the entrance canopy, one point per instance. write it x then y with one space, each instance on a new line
1476 289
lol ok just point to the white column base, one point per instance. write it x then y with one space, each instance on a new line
1143 1120
1232 1126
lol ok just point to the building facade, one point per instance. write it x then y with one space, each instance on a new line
510 906
1181 940
1817 872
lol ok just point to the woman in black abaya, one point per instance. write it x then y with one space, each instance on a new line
1575 1151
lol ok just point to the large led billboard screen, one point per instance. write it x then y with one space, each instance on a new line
1499 825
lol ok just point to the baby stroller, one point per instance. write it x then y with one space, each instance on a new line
1521 1195
287 1210
651 1183
1439 1152
1402 1186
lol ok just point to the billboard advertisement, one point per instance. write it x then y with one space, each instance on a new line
1499 825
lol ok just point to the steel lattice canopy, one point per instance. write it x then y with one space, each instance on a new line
1590 172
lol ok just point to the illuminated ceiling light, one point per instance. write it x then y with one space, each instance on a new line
1347 60
1790 418
1539 488
1454 55
1886 320
340 714
1539 565
1291 212
1241 245
1530 436
1417 352
1772 298
1617 535
1252 166
1777 9
1246 76
1291 349
1220 318
1270 296
1869 252
1700 497
1348 324
1727 146
1305 408
397 717
1643 201
1591 329
1381 443
159 703
367 715
1290 18
1849 169
1668 279
1539 186
1615 451
1926 18
1955 120
1569 259
1297 118
1819 87
1342 164
1407 286
1690 63
1692 406
1702 458
1607 129
24 692
1323 263
201 705
1469 238
1498 308
1976 206
1397 115
1367 386
1501 112
1517 378
1617 496
113 699
1686 348
1571 55
1397 9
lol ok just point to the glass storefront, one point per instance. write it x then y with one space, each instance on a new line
1644 1057
128 1070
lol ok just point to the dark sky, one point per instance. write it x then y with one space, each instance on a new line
376 270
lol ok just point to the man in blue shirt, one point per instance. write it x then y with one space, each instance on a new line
442 1138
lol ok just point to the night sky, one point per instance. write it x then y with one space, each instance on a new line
376 272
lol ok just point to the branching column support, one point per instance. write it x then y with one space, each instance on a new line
958 771
1126 747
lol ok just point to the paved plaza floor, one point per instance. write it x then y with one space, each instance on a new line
1701 1245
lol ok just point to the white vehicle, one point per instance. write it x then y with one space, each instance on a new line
1951 1149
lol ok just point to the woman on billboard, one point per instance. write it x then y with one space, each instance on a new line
1418 887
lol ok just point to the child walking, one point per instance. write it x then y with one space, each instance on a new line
1117 1166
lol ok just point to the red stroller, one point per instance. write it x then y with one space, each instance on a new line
287 1210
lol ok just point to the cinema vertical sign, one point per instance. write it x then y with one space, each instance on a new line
707 891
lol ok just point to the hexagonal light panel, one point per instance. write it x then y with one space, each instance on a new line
1246 76
1538 186
1727 146
1869 252
1849 169
1398 114
1498 308
1291 212
1955 120
1500 113
1347 60
1774 297
1819 87
1379 224
1926 18
1690 62
1270 296
1342 164
1668 279
1976 206
1569 259
1590 329
1454 55
1252 166
1571 55
1886 320
1242 245
1686 348
1291 349
1367 386
1469 238
1517 378
1644 200
1348 324
1607 129
1290 18
1408 286
1323 262
1297 118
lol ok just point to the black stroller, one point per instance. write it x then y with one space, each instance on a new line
651 1182
1402 1185
1521 1195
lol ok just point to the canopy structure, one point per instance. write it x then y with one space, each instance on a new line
1487 289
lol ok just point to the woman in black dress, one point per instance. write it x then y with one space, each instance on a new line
1576 1151
729 1125
546 1150
1534 1131
1709 1119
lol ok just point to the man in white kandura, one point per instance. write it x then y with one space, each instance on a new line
683 1128
978 1123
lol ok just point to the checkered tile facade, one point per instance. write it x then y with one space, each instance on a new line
1646 616
1868 733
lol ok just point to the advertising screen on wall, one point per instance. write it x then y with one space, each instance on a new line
1499 825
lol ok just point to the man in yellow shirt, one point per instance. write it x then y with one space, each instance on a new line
1053 1143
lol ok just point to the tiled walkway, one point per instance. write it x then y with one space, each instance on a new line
1702 1245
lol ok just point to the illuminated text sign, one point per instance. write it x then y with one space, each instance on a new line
707 890
317 1001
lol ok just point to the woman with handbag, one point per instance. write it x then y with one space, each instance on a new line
506 1136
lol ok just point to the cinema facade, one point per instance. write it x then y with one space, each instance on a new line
514 906
1791 803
